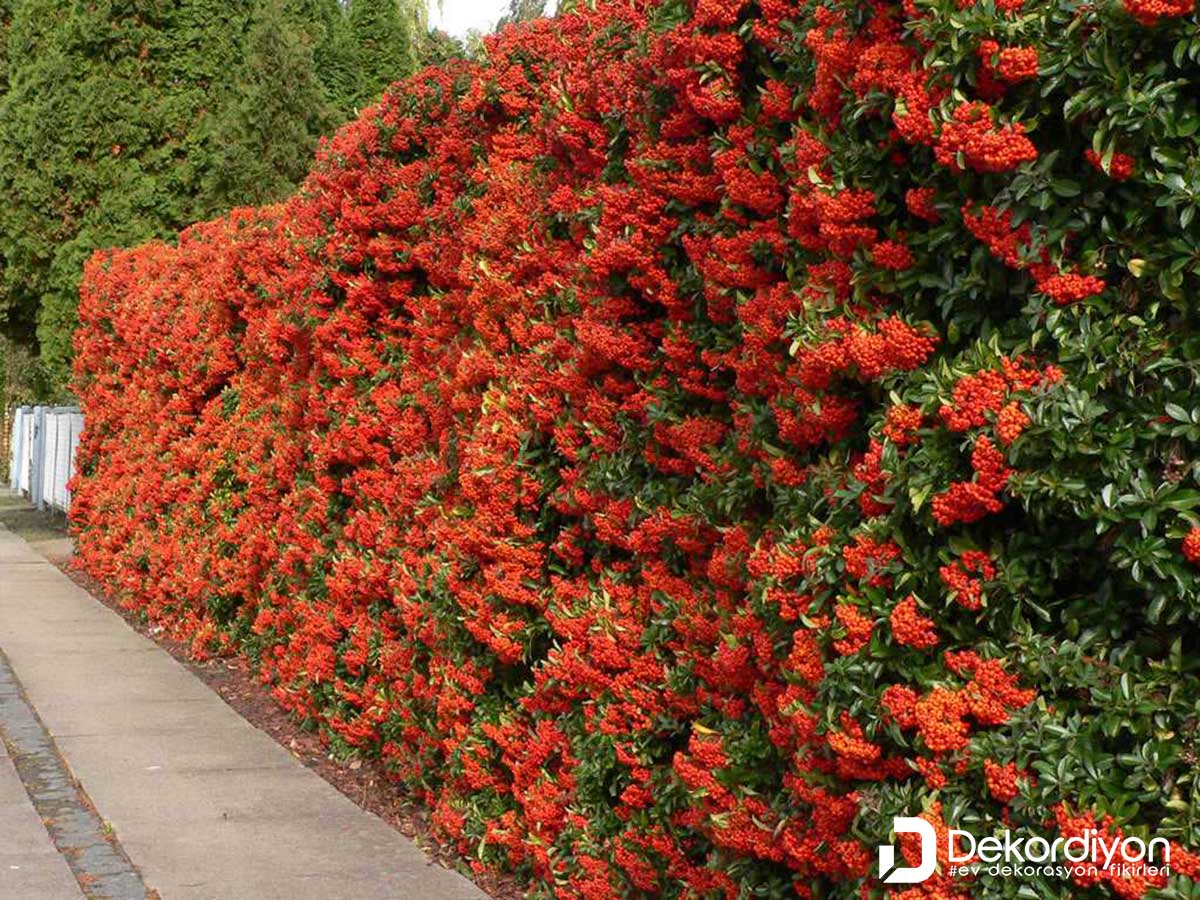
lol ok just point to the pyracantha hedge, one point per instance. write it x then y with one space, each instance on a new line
693 434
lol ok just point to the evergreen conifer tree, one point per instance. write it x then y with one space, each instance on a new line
79 131
267 132
383 34
197 51
336 56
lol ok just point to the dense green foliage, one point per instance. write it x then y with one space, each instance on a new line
383 35
122 121
268 122
335 53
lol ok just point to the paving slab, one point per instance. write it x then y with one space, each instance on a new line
205 805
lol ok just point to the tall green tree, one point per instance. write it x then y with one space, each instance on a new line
383 32
197 47
269 127
79 130
335 55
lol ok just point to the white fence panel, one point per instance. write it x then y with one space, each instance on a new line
20 467
49 456
16 450
74 420
42 455
28 442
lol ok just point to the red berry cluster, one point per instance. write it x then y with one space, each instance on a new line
910 628
870 560
1121 166
1066 288
869 470
942 716
1191 546
984 395
971 140
920 203
1000 67
970 501
858 629
892 255
901 424
965 577
1150 12
1002 780
1094 869
1011 422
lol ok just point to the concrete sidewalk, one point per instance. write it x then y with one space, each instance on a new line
205 806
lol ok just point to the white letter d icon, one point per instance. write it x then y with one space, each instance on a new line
887 853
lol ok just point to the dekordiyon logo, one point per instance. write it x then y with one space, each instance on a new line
887 853
1007 855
